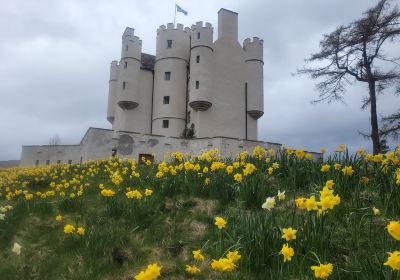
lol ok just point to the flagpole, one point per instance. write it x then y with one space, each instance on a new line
175 15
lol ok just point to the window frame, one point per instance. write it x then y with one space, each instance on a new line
169 44
166 99
165 124
167 76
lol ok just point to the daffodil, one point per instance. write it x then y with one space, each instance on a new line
287 252
269 203
289 233
322 271
220 222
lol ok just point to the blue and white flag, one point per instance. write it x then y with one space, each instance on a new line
179 9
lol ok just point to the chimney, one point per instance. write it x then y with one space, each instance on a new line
227 25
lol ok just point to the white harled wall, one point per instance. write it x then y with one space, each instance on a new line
174 60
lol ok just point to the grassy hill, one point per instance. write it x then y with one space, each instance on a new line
111 219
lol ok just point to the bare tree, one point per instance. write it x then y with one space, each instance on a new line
354 53
391 126
55 140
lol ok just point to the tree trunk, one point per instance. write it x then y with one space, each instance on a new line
374 119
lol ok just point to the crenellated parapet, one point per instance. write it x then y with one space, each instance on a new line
173 42
201 35
131 45
253 49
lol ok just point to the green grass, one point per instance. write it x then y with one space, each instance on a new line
122 236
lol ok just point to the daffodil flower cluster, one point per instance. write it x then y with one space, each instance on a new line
327 200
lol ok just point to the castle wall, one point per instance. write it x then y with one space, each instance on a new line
45 155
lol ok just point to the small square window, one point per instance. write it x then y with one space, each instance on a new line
198 59
123 85
48 162
198 35
165 123
166 100
167 76
197 84
169 44
126 64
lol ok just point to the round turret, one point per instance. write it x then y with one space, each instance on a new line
253 51
170 80
112 91
201 59
129 70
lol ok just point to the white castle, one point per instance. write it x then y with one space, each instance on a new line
214 87
192 85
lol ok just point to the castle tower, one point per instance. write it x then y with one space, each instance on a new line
254 83
170 80
226 117
112 91
201 74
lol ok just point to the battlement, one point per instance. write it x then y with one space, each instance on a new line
256 41
199 25
170 26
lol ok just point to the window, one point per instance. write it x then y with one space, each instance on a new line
126 48
198 35
169 44
48 162
166 100
126 64
70 161
197 84
198 59
165 123
37 162
167 76
123 85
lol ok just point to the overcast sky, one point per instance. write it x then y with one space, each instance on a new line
55 57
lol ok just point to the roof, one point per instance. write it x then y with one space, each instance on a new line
148 61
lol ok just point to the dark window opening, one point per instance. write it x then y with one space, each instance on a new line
165 123
126 48
37 162
198 35
197 84
169 44
166 100
126 64
123 85
167 76
48 162
198 59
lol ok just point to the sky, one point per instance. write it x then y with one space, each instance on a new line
55 57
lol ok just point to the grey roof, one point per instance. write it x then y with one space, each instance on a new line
148 61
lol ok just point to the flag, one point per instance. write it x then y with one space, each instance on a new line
179 9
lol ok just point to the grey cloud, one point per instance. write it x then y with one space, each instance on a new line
56 54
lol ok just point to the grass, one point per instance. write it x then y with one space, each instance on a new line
122 235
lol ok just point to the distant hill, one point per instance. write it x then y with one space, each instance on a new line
9 163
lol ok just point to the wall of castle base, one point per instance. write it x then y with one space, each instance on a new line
98 144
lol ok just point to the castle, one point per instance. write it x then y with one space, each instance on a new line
193 95
214 87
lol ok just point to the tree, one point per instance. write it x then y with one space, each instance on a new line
391 126
354 53
55 140
189 133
